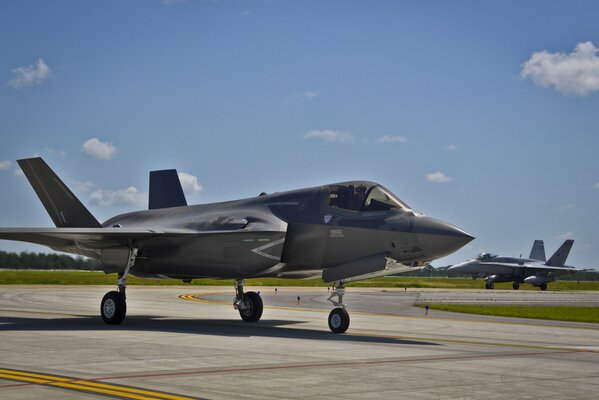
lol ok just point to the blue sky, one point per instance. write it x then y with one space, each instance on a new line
484 114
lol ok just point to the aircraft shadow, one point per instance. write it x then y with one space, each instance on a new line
216 327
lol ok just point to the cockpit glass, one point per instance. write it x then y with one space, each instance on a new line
379 199
347 197
361 196
485 256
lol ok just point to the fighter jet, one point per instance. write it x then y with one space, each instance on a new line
533 270
340 232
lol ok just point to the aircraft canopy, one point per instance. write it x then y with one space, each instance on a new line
362 197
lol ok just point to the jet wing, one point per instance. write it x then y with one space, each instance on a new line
492 268
91 241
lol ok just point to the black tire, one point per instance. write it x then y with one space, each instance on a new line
516 285
489 286
113 308
543 286
338 320
253 307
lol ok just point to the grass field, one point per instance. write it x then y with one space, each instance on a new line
36 277
556 313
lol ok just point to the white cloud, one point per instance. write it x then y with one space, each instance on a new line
98 149
566 235
573 74
438 177
130 196
392 139
189 183
596 186
308 94
84 187
60 153
452 147
30 75
330 136
4 165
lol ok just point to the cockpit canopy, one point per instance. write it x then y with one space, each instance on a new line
362 196
485 256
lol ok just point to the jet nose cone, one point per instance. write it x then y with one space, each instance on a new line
440 238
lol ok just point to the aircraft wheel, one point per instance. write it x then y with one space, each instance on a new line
113 308
338 320
516 285
253 306
489 286
543 286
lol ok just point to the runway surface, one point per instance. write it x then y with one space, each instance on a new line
183 342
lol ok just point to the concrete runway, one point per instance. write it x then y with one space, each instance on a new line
53 344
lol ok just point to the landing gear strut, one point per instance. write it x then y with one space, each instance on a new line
339 317
248 304
114 305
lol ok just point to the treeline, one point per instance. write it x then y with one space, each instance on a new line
26 260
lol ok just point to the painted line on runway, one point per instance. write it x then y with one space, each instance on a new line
86 385
583 349
196 297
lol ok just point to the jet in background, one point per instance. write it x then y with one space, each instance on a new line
341 232
533 270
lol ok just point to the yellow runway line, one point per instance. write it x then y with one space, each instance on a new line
87 386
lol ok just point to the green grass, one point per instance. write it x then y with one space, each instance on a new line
556 313
37 277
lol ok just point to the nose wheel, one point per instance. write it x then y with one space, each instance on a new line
338 317
338 320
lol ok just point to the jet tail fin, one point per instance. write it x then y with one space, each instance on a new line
538 251
165 190
558 259
63 206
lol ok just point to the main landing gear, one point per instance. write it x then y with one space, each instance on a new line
490 285
516 285
114 305
248 304
339 317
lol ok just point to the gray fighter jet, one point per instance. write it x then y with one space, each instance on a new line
341 232
533 270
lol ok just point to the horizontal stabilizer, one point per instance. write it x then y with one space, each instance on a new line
64 208
165 190
559 258
538 251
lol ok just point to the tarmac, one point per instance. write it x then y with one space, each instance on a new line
188 342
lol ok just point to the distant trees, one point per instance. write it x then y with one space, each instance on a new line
26 260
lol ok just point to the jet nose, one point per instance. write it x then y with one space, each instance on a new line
460 267
439 238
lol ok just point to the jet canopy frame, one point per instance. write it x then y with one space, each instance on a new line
362 197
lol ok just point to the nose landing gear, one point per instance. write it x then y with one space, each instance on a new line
338 317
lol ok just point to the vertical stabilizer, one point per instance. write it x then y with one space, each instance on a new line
165 190
559 258
538 251
64 208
